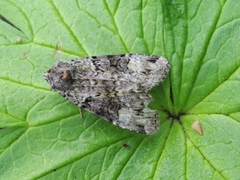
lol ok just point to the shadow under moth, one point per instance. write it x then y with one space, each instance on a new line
114 87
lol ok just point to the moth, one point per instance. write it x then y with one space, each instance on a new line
113 87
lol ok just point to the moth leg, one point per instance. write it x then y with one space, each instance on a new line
80 113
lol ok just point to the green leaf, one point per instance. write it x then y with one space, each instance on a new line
43 136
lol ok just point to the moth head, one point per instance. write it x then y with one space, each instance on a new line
59 77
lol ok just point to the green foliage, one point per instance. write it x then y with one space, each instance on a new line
43 136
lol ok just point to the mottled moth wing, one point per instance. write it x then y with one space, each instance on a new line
113 87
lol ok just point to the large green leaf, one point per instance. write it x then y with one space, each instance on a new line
44 136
